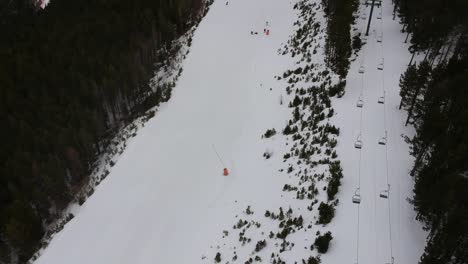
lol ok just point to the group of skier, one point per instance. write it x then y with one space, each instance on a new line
266 30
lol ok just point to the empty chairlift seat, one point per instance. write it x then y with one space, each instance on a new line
358 143
356 197
380 66
364 39
379 15
383 140
361 69
381 100
385 193
380 37
360 103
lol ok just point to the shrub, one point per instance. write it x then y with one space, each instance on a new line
357 43
335 181
260 245
312 260
326 213
218 257
269 133
323 242
337 89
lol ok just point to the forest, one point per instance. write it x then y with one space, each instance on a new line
340 17
71 75
434 92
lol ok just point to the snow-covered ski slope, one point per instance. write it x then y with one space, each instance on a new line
166 201
387 227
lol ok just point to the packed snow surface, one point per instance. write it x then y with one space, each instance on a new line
166 200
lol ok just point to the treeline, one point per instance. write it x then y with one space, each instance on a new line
435 94
70 75
339 14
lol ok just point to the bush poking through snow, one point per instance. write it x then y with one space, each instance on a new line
336 174
248 210
337 89
326 213
312 260
260 245
323 242
269 133
218 257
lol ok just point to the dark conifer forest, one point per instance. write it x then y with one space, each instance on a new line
70 76
338 45
435 94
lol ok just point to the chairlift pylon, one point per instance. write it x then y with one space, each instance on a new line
356 197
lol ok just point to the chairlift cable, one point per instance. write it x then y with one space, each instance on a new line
386 145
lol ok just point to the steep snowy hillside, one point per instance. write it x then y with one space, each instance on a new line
166 199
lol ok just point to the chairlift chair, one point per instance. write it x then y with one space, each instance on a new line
380 66
379 15
360 103
383 140
381 100
364 39
361 69
356 197
358 143
385 193
380 38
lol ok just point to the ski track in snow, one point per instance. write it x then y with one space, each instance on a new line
166 201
